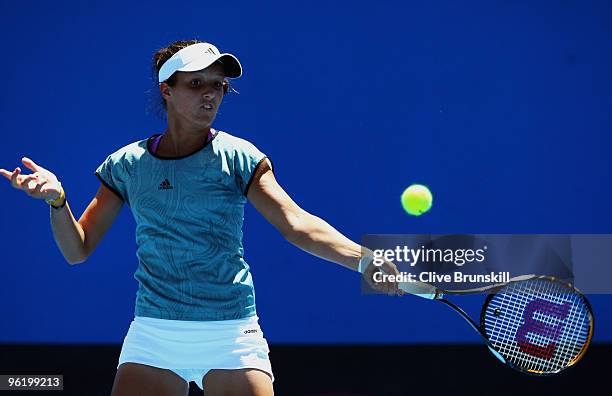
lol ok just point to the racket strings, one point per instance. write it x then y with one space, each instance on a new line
538 325
502 340
535 334
540 330
547 330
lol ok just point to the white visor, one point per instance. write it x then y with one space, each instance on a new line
198 57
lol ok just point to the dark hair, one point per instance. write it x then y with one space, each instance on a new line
159 58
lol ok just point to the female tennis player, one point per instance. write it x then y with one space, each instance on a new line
195 317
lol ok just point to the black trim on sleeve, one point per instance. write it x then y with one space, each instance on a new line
109 187
271 164
246 190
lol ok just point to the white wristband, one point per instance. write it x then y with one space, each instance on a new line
365 260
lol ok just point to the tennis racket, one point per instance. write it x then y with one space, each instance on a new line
534 324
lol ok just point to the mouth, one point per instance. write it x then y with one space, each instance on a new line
207 106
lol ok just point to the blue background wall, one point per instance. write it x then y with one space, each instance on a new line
501 107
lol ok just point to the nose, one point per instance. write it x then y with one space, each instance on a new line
207 95
208 92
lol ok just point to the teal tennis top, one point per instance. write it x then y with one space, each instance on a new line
189 212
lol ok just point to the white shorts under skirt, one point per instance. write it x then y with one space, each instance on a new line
192 348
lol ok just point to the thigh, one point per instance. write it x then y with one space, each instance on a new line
239 382
133 379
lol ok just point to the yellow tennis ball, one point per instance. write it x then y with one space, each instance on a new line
416 199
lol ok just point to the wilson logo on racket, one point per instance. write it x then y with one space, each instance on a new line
541 328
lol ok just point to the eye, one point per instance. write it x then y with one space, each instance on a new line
218 84
195 83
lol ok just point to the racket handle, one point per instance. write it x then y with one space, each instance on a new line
423 290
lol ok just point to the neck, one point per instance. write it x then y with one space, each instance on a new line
179 139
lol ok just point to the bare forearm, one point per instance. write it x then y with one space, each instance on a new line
315 236
68 234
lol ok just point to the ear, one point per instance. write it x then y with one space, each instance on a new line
164 90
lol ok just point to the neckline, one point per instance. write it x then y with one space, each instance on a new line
161 157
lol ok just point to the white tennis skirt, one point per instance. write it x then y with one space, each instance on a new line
192 348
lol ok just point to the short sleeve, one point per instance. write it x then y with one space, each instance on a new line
248 158
110 174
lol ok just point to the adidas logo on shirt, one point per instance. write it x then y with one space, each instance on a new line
165 185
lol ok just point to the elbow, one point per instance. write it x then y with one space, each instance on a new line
76 259
82 255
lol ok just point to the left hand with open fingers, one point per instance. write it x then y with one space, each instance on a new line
41 184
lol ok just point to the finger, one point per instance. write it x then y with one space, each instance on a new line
31 185
372 284
390 268
40 177
23 180
6 173
39 185
390 287
14 177
35 192
372 277
46 187
382 287
31 164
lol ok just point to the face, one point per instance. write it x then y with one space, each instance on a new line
196 96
